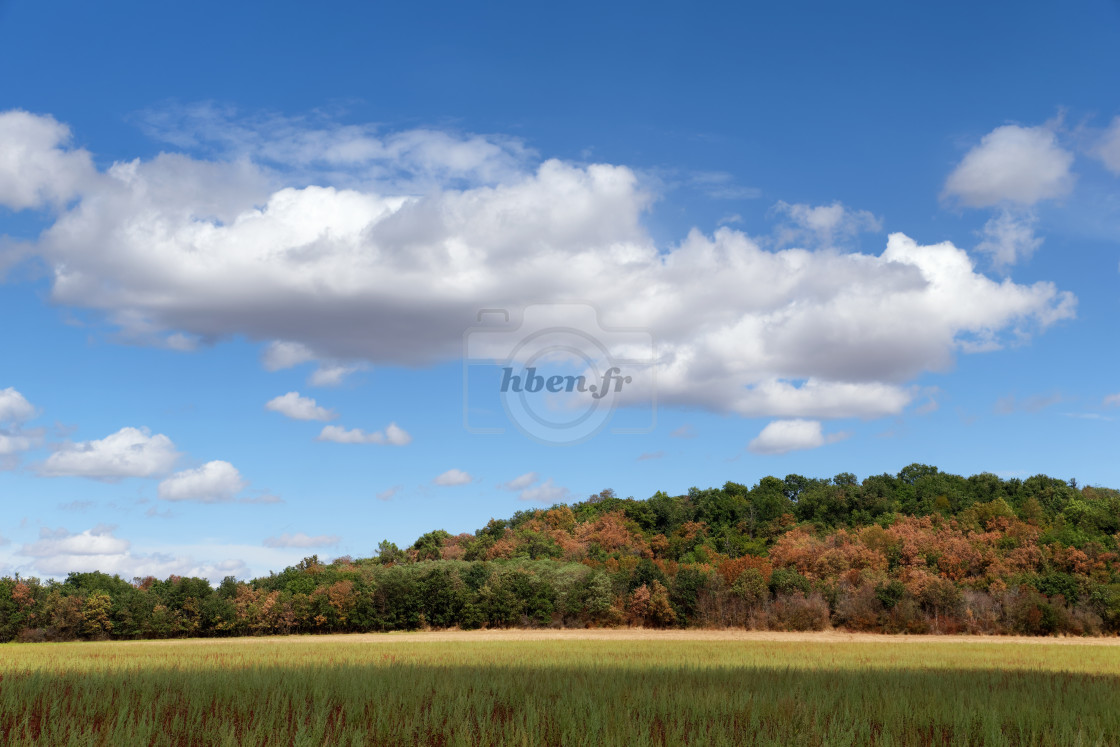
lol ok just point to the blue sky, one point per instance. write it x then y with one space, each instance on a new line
243 249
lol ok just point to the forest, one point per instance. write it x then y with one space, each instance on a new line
921 551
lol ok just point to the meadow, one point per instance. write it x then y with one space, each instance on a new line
521 688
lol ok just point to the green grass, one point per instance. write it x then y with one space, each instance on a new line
401 689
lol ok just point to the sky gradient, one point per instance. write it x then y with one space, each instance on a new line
243 253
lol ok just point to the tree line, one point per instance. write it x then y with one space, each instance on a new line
916 552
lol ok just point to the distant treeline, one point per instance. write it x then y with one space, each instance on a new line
918 552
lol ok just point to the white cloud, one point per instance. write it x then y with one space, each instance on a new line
299 408
15 442
1009 237
14 410
1112 400
684 431
392 435
649 456
331 374
130 452
36 167
520 482
211 483
96 541
280 355
453 477
388 493
299 539
182 343
547 492
1108 147
782 436
823 224
525 486
59 552
381 274
14 407
1014 164
412 161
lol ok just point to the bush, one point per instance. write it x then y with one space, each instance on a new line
786 581
890 593
981 613
905 617
798 612
1032 613
859 608
34 635
751 588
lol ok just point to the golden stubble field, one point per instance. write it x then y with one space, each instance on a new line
563 687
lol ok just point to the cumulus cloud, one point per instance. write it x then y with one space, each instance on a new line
297 407
14 442
1012 164
1009 238
1108 147
782 436
453 477
280 355
130 452
211 483
14 438
392 435
14 407
37 167
823 224
526 486
520 482
548 492
331 374
299 539
374 272
96 541
58 552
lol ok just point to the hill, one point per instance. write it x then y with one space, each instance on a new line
921 551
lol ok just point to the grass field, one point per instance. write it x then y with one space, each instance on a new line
519 688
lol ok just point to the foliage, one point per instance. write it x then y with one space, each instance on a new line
919 551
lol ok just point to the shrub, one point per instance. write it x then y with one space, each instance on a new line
799 612
859 608
890 593
786 581
751 588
